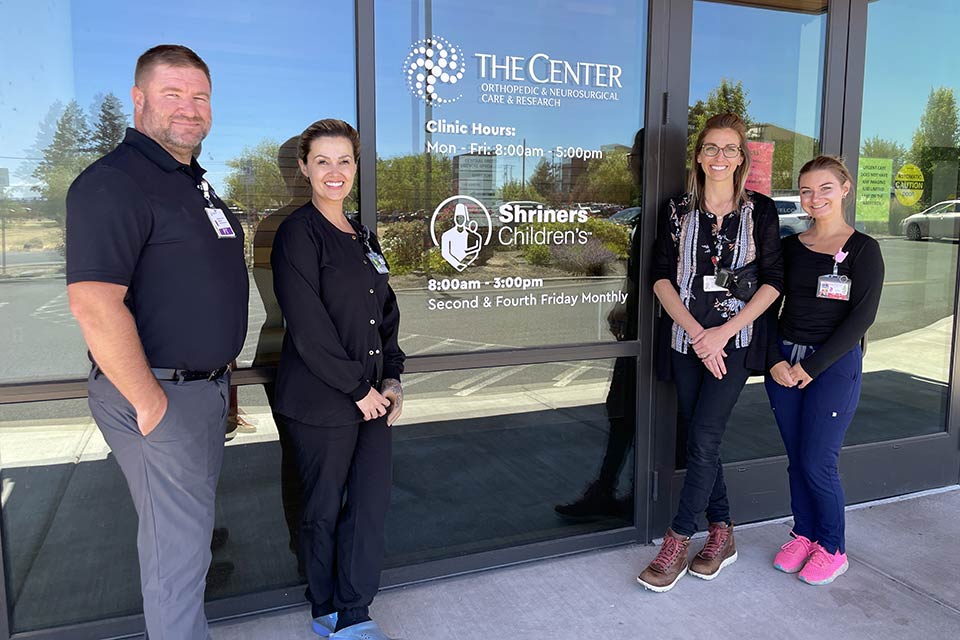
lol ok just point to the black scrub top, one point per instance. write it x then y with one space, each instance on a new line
137 218
342 320
835 326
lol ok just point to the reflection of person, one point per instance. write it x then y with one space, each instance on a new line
157 281
715 339
271 332
599 499
458 245
340 347
832 280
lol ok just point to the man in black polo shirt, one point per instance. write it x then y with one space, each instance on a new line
157 280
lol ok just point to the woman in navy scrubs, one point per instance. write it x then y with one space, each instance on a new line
338 384
833 276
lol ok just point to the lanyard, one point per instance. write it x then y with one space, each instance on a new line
206 190
837 259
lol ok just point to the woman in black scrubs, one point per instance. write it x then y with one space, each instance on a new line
338 384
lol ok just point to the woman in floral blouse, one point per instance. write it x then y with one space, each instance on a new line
716 269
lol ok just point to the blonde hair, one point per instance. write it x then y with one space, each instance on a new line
833 164
697 180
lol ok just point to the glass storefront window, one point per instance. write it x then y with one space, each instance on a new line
508 168
519 445
69 526
66 102
766 64
907 198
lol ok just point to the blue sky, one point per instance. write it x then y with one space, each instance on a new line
279 66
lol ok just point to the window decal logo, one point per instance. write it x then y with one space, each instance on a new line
461 242
433 68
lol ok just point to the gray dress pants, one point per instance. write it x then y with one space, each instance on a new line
172 476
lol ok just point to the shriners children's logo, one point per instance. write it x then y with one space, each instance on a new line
433 68
460 243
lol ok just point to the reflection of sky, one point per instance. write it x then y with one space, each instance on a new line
911 48
778 55
275 70
603 31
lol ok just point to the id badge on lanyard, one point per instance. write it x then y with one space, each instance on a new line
378 261
834 286
218 219
710 282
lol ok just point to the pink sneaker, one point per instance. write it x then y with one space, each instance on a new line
794 554
823 567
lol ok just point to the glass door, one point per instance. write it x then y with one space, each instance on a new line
770 62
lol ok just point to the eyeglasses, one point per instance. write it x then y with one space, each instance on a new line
729 151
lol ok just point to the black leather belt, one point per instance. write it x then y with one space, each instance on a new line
187 375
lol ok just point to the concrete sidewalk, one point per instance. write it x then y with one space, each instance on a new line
903 582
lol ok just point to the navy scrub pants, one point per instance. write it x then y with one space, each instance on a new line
813 422
172 475
346 475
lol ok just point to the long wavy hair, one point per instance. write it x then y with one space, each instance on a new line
697 179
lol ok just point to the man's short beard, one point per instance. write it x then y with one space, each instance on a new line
175 142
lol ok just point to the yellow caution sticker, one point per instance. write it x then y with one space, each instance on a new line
908 185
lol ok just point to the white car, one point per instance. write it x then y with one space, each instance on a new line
793 219
942 220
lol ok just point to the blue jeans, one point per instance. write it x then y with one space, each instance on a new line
813 422
704 405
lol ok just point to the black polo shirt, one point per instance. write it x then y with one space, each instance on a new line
136 218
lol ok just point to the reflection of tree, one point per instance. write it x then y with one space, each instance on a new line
544 181
67 155
402 182
935 143
607 179
48 126
726 97
111 125
515 190
255 182
68 147
877 147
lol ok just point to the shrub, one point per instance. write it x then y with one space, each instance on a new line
436 265
615 237
590 259
402 244
537 254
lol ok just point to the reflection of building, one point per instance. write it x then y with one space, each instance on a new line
570 171
790 151
475 175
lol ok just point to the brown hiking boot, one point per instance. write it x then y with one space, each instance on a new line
719 551
669 566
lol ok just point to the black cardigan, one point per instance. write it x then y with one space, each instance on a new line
342 320
766 234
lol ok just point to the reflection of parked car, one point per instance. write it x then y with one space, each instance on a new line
942 220
793 219
628 216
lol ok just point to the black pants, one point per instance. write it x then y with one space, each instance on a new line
346 477
704 405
